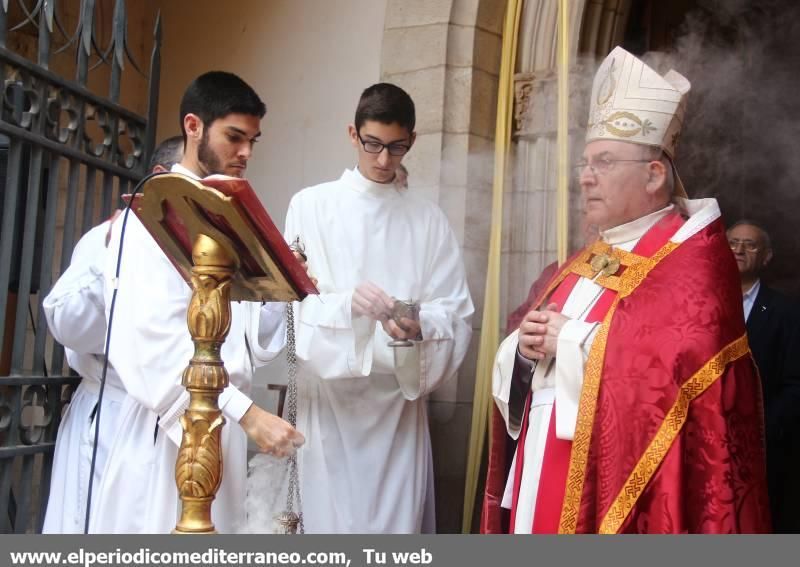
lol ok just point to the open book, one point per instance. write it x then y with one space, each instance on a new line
175 209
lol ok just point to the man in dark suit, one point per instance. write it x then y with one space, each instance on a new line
773 330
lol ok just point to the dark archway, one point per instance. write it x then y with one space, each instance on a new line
741 124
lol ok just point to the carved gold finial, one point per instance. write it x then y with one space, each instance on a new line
208 252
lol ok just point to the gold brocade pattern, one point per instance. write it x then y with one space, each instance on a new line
579 259
626 258
603 262
583 428
586 271
633 276
577 266
636 273
669 430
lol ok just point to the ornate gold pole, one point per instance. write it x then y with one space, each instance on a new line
198 471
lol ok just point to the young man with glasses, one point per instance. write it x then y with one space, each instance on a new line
629 389
774 335
367 465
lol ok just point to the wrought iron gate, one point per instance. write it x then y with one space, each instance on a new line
66 154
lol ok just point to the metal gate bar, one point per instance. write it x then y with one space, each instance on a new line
60 179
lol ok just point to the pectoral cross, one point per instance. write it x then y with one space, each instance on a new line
605 264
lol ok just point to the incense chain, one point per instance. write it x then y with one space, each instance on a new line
291 416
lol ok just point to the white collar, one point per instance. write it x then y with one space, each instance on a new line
701 213
634 229
178 168
356 180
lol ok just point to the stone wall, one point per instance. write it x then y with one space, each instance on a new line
446 53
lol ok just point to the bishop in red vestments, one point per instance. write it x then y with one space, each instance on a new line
630 390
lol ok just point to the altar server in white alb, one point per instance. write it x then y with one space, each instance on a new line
150 343
366 466
75 313
76 317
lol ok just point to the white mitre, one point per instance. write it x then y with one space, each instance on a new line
633 103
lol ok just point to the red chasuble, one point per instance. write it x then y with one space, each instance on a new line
669 437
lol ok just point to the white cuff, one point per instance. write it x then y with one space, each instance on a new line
502 375
233 403
170 420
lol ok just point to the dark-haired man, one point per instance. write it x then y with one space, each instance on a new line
367 465
150 345
75 314
167 154
774 337
221 121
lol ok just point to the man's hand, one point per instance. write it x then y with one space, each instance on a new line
408 329
302 259
272 434
371 301
538 332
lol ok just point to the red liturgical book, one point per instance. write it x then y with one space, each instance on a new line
175 209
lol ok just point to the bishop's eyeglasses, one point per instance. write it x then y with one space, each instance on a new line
602 166
373 147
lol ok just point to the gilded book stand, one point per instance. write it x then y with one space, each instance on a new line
221 240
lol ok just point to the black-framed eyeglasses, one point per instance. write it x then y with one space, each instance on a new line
602 166
372 147
748 245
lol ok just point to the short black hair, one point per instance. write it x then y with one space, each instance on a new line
168 153
386 103
216 94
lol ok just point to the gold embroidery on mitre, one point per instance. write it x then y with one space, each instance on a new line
633 276
603 99
673 422
626 124
609 84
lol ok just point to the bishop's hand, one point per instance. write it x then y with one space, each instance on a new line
538 332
